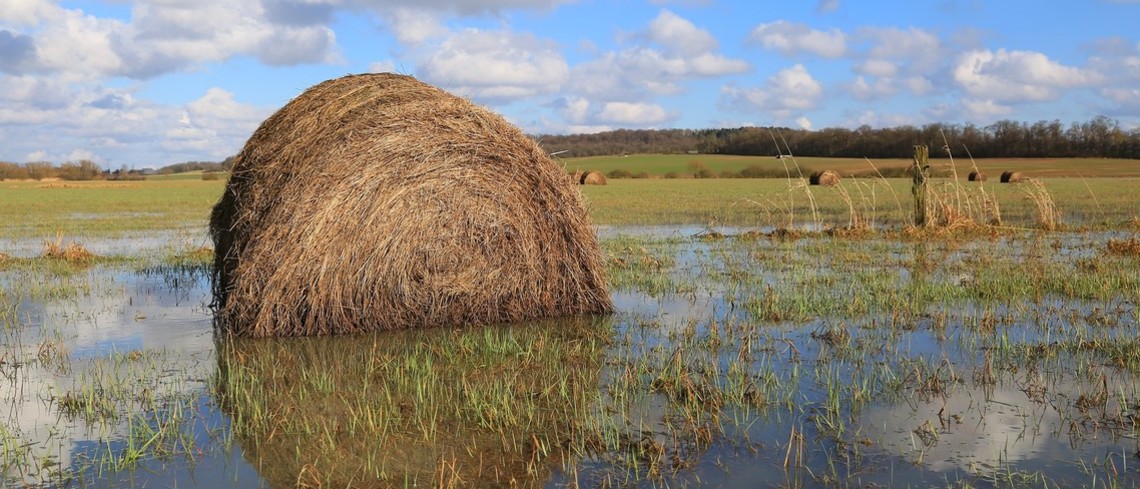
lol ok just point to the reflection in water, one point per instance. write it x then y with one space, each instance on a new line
474 406
81 372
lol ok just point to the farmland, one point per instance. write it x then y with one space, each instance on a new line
768 333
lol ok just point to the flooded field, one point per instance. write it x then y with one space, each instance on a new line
735 359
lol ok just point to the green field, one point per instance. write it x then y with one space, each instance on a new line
682 165
49 209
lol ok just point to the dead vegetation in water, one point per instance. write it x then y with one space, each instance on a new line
1124 247
70 252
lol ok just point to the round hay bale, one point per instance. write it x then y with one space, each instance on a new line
593 178
826 177
375 202
1011 176
977 176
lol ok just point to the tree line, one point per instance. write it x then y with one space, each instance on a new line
1100 137
89 170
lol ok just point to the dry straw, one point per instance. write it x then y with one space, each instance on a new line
826 177
374 202
593 178
977 176
1011 177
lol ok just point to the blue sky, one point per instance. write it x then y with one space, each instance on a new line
145 83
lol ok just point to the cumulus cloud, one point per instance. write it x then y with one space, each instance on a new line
679 35
496 65
877 89
412 27
788 91
1017 76
677 51
460 7
25 12
55 119
790 38
985 109
164 36
893 61
635 114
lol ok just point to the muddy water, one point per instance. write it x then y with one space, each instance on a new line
980 393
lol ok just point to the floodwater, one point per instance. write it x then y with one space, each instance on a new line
116 384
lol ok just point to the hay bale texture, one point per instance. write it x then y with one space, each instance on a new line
593 178
376 202
1011 176
826 177
977 176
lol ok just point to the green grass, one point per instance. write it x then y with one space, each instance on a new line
47 209
659 165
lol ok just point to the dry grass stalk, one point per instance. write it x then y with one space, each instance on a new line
376 202
1126 247
71 252
977 176
1048 217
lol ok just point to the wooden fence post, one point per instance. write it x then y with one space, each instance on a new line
918 188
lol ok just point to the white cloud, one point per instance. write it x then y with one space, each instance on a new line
864 90
25 12
803 123
575 110
460 7
877 67
638 72
827 6
113 125
413 26
896 43
162 36
985 109
635 114
1017 76
496 65
791 38
386 66
679 35
893 51
792 89
919 85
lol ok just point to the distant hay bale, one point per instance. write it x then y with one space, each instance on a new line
593 178
826 177
977 176
1011 177
375 202
576 177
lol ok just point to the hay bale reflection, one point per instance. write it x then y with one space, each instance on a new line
482 406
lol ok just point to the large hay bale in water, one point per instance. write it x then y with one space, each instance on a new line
374 202
1011 176
826 177
977 176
